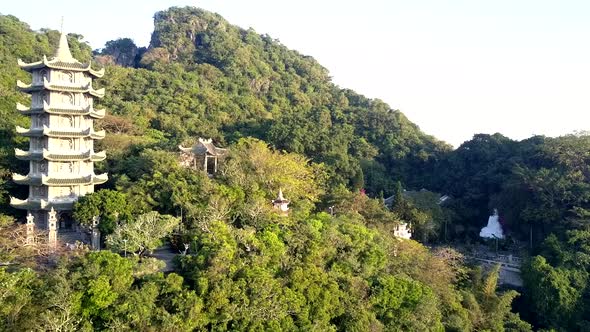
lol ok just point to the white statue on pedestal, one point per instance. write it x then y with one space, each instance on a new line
493 230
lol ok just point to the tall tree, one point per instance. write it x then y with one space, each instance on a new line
144 233
111 206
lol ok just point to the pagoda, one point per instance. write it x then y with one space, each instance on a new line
281 204
202 155
61 149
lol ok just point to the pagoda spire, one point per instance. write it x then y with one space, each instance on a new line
281 198
63 50
281 204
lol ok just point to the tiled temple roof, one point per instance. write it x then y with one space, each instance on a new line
42 204
53 156
63 60
202 147
37 180
56 64
61 132
60 88
64 110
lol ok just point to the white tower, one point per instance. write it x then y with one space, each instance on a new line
61 150
281 204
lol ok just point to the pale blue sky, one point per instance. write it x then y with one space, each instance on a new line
456 68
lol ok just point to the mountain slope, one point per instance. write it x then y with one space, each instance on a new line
202 76
226 82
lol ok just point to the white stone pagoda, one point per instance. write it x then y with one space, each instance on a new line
61 149
281 204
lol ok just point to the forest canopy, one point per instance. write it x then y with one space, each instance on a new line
334 263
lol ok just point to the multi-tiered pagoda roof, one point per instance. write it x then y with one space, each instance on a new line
64 110
61 149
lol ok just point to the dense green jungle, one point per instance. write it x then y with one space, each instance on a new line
333 264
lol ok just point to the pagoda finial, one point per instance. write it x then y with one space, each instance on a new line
281 198
63 49
281 204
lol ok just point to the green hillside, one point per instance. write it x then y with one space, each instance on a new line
286 126
202 76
